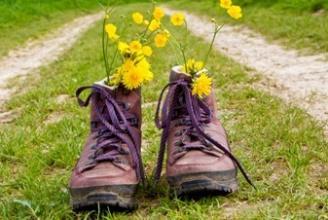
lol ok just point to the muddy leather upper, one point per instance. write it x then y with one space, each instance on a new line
106 158
188 152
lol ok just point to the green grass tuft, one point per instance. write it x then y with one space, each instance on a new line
299 24
282 148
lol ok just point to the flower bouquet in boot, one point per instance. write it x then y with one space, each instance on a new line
110 167
199 158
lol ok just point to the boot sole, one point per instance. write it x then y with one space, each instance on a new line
203 184
118 197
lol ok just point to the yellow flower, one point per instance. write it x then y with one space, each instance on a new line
177 19
235 12
122 46
146 22
154 25
135 46
143 64
133 75
202 85
148 76
132 78
158 13
144 68
199 65
161 40
225 3
128 64
116 78
193 66
111 31
147 51
137 18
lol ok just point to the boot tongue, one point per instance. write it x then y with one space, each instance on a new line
177 74
130 99
180 108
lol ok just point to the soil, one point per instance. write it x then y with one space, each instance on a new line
298 79
26 59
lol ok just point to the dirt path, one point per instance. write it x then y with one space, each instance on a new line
301 80
35 54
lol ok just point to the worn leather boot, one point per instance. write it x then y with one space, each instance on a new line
199 159
110 166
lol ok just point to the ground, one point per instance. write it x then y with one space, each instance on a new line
283 149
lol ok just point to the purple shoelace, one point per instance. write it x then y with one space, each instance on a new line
194 113
114 129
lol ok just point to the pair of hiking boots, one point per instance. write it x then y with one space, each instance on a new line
110 168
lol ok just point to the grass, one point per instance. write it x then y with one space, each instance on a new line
21 20
299 24
282 148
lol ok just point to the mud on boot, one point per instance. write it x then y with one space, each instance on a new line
110 167
199 159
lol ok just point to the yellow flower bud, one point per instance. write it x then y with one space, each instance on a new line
147 51
235 12
178 19
135 46
158 13
225 4
154 25
137 18
111 31
161 40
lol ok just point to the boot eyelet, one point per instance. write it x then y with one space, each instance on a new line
91 157
209 146
92 163
94 125
117 160
178 134
178 144
126 106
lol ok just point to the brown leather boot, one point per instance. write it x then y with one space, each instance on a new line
199 159
110 166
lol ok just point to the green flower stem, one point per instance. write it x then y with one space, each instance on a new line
217 30
184 58
112 63
105 38
180 47
106 51
174 47
145 31
149 21
186 44
150 35
104 47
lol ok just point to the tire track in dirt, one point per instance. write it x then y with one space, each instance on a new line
33 55
297 79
